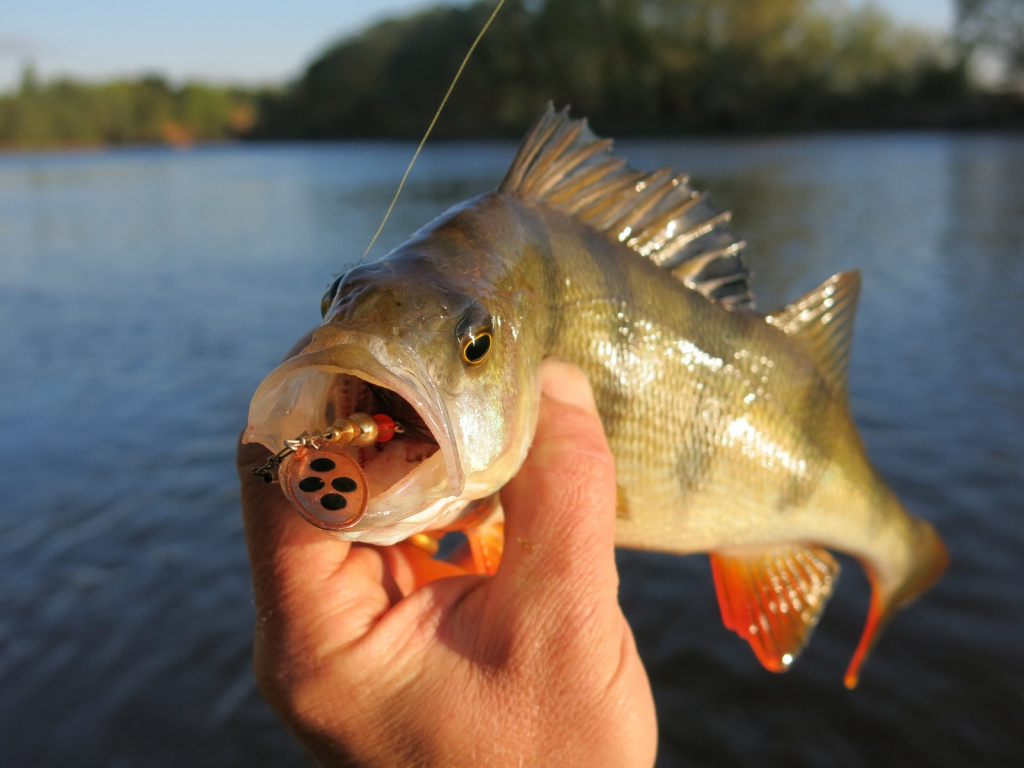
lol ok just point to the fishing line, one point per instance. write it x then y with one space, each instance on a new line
430 128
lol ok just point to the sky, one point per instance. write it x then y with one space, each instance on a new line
228 41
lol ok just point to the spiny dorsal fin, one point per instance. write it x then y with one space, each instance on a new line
562 164
773 597
821 322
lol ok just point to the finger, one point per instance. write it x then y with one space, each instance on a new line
275 532
560 508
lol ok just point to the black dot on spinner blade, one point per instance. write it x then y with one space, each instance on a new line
344 484
322 465
333 501
310 484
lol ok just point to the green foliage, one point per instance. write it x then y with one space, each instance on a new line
70 113
642 66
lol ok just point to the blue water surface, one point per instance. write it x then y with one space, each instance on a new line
144 294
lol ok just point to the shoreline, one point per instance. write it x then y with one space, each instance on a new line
185 146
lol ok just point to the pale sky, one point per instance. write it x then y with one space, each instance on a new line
243 41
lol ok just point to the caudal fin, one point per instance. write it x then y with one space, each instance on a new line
889 594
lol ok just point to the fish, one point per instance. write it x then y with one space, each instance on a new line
417 398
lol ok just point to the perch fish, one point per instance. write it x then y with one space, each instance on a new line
731 430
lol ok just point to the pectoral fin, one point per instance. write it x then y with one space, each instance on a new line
487 542
483 525
773 597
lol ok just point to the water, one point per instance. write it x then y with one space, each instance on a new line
144 294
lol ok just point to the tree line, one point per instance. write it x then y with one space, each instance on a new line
632 66
148 110
638 66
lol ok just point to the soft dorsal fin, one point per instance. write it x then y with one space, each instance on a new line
821 323
562 164
773 597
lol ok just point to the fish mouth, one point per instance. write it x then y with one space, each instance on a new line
405 475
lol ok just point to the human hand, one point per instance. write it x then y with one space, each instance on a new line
533 666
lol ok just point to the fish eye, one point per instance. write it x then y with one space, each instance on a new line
476 349
475 334
329 296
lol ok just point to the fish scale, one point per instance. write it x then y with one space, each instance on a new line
663 431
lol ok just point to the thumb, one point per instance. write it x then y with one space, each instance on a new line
560 507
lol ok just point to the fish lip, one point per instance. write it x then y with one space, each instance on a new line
360 356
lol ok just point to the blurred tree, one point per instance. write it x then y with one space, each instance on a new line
996 25
29 81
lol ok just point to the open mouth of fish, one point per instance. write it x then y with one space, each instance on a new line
404 478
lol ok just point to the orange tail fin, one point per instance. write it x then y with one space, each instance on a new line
888 596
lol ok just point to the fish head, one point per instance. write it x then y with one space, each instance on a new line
441 352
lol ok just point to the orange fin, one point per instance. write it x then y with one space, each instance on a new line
889 596
428 542
773 597
483 525
423 568
877 618
487 542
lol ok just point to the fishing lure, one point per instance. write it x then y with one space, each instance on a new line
325 484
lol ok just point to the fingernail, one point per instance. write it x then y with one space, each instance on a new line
567 384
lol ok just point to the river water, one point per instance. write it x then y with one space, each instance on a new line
145 293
